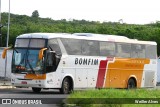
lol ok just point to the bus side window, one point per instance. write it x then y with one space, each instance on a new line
150 51
85 48
72 46
90 48
54 46
138 51
123 50
107 49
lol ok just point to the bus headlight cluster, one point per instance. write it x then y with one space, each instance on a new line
50 81
38 81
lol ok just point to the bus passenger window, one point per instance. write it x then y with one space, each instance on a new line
138 51
107 49
90 48
72 46
54 46
150 51
123 50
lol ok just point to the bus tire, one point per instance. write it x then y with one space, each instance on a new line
66 86
36 90
131 83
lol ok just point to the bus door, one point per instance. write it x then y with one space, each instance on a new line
52 61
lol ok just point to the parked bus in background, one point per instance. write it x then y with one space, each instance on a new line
82 60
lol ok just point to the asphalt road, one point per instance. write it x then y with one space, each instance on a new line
48 98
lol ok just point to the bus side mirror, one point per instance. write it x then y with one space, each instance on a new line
40 56
4 53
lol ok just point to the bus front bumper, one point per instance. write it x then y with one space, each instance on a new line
29 83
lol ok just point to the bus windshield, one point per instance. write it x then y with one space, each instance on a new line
26 61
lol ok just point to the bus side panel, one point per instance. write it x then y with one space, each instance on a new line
81 78
92 77
150 74
85 70
120 71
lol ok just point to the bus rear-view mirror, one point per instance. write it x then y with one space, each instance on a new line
41 53
4 53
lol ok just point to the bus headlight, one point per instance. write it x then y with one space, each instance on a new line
38 81
50 81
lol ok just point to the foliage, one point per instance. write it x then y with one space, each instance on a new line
35 14
114 98
24 24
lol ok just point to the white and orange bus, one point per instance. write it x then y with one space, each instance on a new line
82 60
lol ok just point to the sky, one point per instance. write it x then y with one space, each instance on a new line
125 11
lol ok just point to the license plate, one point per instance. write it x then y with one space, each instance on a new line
23 82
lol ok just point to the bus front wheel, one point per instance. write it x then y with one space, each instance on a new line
36 90
131 83
66 86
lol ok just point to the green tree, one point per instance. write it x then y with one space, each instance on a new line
35 14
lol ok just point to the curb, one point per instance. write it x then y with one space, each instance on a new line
6 87
5 84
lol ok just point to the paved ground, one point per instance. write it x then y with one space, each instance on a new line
5 84
48 98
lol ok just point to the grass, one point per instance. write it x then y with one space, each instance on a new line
114 98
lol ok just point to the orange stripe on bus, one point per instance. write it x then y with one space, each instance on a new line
121 69
35 76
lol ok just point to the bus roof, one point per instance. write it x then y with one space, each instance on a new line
86 36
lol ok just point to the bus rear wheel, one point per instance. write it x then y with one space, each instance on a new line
66 86
131 83
36 90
